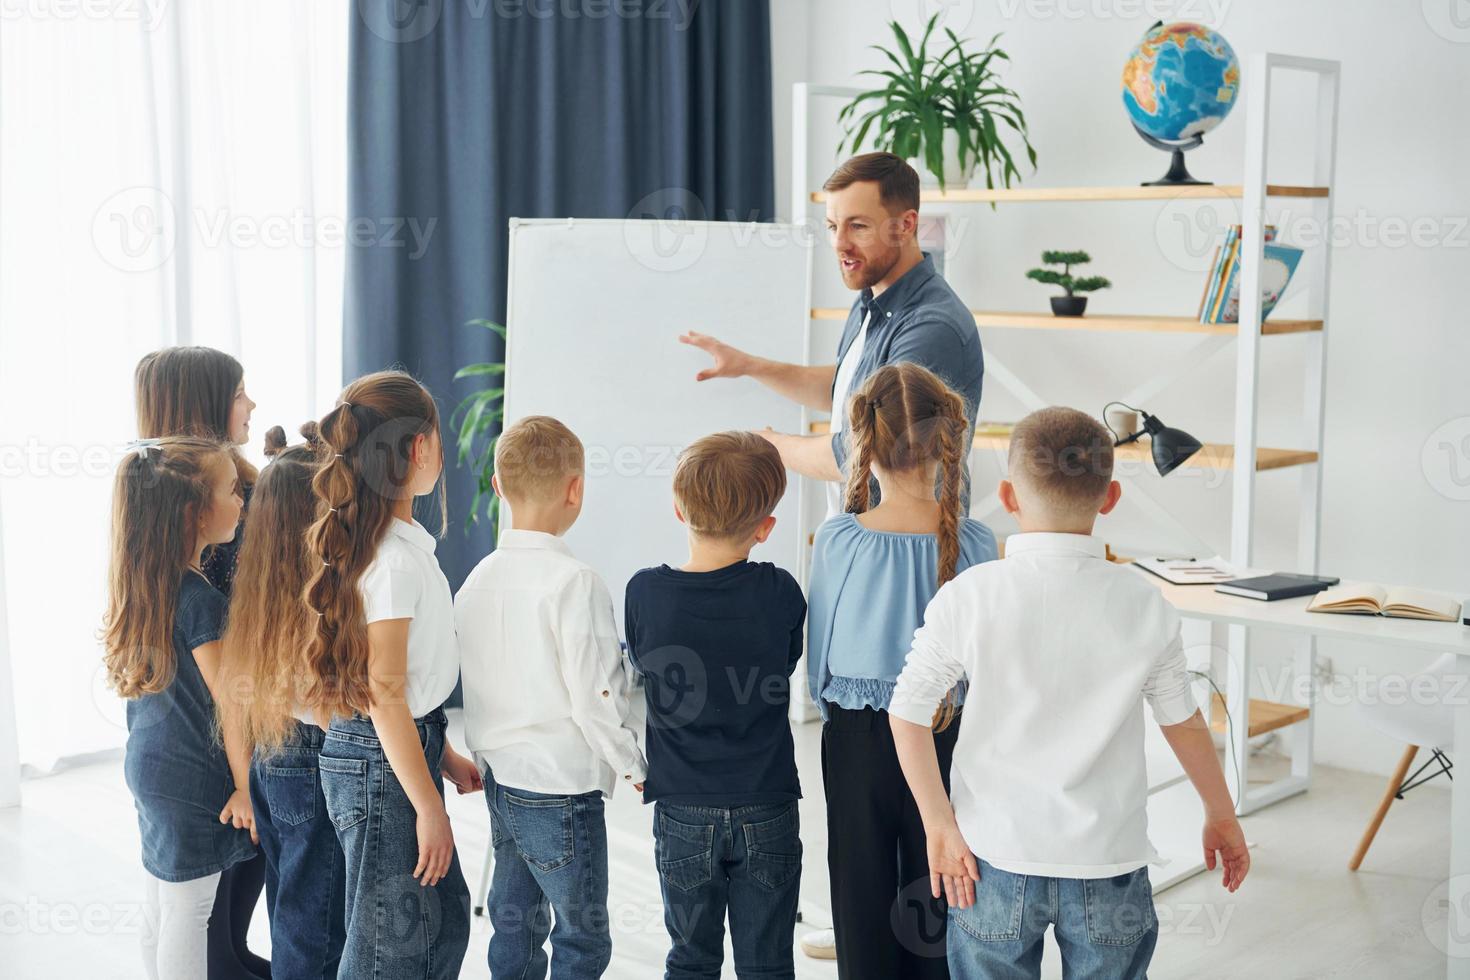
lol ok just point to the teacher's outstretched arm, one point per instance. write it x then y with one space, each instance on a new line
809 386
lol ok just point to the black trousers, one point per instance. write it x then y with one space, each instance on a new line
234 904
888 926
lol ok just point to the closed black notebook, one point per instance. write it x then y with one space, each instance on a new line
1280 586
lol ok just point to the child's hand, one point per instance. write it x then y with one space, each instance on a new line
952 863
638 787
1223 835
436 846
240 814
462 772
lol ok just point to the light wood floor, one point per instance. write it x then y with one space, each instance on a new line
69 879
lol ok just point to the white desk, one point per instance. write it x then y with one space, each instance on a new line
1290 615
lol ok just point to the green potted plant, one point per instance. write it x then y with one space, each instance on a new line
1070 304
476 422
943 114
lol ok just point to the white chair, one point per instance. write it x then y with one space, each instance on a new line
1419 714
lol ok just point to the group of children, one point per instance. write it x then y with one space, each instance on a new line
304 711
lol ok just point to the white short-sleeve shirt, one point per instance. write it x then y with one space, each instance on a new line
404 581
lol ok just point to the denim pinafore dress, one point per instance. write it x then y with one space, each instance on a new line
175 766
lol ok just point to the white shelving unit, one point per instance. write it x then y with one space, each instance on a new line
1244 455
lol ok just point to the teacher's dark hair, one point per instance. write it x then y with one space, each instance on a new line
898 183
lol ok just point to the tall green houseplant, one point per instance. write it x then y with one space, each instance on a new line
476 422
922 97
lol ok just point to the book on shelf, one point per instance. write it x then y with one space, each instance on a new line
1281 585
1221 301
1366 599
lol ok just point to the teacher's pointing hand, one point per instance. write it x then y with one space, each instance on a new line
729 361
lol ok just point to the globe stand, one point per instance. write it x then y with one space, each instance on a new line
1178 174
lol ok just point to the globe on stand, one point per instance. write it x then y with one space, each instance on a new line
1179 83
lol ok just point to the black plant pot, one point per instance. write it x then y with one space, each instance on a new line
1068 305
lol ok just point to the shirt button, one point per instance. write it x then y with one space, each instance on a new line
604 694
628 777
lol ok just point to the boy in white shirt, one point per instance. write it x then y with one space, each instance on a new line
546 713
1061 648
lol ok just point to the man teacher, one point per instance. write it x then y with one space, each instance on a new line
904 312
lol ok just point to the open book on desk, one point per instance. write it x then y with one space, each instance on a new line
1366 599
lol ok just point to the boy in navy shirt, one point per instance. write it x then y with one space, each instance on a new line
716 641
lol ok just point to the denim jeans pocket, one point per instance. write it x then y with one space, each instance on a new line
345 787
1120 910
684 851
773 848
290 791
1000 900
542 828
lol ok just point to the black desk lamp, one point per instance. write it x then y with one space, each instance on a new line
1171 447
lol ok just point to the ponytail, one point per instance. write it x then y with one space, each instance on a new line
366 464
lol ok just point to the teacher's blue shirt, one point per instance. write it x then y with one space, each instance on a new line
918 319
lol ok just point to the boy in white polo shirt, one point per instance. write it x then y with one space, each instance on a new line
546 713
1061 648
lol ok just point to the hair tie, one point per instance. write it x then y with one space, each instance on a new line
140 447
875 403
347 405
326 564
339 455
332 510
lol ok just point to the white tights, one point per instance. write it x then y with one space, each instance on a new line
175 927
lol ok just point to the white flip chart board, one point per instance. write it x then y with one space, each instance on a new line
594 313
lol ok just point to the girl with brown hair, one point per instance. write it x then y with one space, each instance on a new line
874 569
380 661
172 500
264 651
200 392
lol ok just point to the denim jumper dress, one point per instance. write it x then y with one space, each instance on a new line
174 765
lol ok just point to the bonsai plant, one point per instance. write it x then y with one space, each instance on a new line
923 100
1070 304
473 420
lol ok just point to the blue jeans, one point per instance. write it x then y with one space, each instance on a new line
550 857
305 876
746 859
1106 927
396 928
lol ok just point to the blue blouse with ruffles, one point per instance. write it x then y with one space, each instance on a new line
867 595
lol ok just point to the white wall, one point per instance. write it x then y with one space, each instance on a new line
1397 456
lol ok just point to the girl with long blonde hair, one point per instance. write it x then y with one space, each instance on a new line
874 569
380 661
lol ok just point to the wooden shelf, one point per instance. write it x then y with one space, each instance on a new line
1018 195
1108 322
1266 716
1212 456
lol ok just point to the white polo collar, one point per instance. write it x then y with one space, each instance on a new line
1055 543
414 533
540 540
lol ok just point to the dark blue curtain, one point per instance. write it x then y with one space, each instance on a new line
465 113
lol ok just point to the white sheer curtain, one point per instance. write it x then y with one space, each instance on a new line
170 173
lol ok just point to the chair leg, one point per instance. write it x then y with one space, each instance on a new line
1389 795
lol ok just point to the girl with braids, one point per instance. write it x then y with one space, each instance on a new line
173 499
200 391
263 654
381 659
874 569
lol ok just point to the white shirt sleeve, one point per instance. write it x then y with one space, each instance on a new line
591 666
931 668
390 590
1167 688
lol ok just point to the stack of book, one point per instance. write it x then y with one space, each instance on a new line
1220 302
